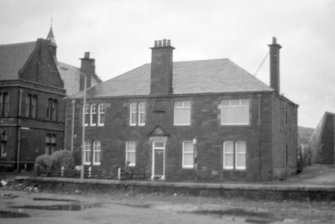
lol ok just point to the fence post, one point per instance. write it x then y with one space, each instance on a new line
89 172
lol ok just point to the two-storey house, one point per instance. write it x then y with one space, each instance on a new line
188 120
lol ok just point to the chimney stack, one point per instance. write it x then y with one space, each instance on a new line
274 65
161 68
88 68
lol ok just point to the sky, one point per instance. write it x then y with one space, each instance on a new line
119 34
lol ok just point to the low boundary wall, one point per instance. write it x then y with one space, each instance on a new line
275 192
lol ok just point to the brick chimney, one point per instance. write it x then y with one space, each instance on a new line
88 68
161 68
274 65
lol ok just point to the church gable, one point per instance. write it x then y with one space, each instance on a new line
41 66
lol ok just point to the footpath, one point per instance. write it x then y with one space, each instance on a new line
315 183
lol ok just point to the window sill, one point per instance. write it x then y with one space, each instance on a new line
188 167
96 164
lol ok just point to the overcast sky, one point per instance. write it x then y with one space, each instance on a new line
119 34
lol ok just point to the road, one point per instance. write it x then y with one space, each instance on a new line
126 208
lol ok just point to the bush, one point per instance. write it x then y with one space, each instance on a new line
52 164
63 158
43 164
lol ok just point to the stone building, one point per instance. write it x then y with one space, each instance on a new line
32 89
190 120
321 144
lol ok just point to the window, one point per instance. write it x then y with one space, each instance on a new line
131 153
87 114
31 106
101 115
137 114
52 109
141 114
188 154
96 153
3 141
87 153
234 112
182 113
93 115
234 155
4 104
50 143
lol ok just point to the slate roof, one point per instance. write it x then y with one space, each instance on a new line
71 77
189 77
13 57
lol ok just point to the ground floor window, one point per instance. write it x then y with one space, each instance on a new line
234 155
131 153
87 153
50 143
188 154
92 156
3 141
96 153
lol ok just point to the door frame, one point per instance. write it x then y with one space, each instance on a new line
153 176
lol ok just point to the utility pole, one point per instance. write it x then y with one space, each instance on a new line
83 131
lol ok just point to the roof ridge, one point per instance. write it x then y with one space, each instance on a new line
28 42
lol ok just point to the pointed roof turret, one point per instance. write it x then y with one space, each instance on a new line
51 37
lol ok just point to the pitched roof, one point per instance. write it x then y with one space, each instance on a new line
71 77
189 77
13 57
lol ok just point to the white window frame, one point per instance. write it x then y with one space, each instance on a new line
185 108
231 104
101 112
86 112
186 166
93 111
96 149
87 149
239 153
225 166
133 114
141 114
130 148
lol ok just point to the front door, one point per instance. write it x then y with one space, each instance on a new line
158 160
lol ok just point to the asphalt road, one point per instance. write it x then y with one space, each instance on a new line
122 207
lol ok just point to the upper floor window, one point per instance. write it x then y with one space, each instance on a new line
188 154
234 155
4 104
52 109
235 112
101 115
137 114
131 153
182 113
94 115
31 106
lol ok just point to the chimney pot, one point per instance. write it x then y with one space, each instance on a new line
87 55
168 43
274 40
